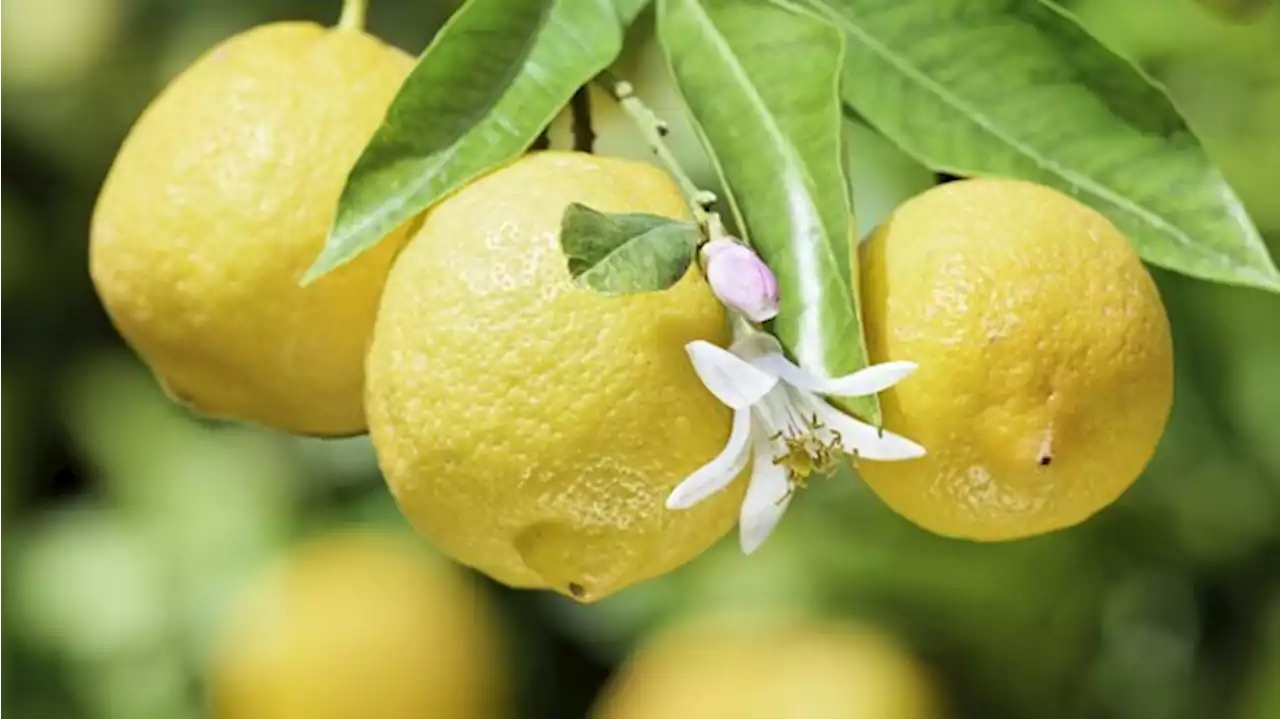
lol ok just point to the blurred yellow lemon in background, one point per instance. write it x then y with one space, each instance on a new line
47 44
361 625
220 198
739 670
532 428
1046 365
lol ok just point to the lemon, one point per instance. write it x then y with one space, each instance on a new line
47 45
1046 370
532 428
217 202
736 670
358 624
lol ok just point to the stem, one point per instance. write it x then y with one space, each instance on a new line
584 138
654 130
352 17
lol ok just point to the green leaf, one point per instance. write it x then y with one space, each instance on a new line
761 79
626 253
1017 88
1240 12
495 75
628 10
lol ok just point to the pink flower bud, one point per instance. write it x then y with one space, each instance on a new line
741 280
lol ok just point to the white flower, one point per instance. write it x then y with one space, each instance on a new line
781 421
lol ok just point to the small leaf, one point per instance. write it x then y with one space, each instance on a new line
761 79
626 253
1020 89
494 76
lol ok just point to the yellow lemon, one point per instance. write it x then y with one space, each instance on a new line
532 428
358 624
812 670
218 201
51 44
1046 370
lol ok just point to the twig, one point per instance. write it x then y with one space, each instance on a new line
584 137
655 130
353 12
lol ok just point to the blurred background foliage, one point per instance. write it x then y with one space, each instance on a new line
131 530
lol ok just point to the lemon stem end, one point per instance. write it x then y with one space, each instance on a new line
1044 456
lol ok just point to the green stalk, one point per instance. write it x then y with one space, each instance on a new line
654 130
353 13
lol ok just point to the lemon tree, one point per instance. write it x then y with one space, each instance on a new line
579 372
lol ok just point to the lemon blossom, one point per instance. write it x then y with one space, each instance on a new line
782 422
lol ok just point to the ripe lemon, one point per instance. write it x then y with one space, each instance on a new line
51 45
788 671
358 624
218 201
532 428
1046 369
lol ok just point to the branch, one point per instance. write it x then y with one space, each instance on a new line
654 130
584 138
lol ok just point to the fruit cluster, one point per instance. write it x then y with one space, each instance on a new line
534 429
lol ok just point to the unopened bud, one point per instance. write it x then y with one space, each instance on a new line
741 280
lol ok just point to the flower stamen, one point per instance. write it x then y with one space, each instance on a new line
812 449
782 427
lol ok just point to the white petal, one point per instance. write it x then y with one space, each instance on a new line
864 440
719 472
731 379
868 380
767 498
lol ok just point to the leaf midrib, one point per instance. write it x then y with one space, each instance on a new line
780 139
431 163
396 202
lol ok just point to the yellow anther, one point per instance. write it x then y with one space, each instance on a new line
808 453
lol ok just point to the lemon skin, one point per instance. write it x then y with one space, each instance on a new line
729 667
530 427
1046 365
358 624
219 200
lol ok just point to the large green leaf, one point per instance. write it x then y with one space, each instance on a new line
761 79
628 10
1017 88
1241 12
493 77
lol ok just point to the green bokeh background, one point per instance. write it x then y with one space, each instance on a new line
128 524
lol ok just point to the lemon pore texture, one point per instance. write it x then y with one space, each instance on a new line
803 671
217 202
532 428
358 624
1046 370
